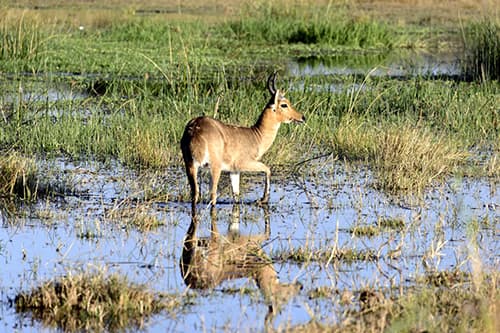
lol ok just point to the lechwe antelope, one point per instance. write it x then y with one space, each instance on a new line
224 147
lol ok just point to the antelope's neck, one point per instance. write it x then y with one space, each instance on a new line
266 128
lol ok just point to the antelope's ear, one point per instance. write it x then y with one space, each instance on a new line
277 96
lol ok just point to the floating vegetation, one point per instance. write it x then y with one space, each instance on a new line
135 215
345 255
391 223
383 225
448 278
93 302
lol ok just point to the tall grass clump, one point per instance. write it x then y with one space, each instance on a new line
482 47
276 24
405 158
409 158
458 308
17 176
20 37
91 302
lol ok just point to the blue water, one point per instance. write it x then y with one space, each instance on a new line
312 211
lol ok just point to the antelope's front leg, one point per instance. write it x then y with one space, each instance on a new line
257 166
265 197
235 184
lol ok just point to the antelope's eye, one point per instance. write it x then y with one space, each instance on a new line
284 106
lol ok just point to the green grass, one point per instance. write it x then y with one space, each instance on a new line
132 45
482 46
148 76
275 25
345 255
387 124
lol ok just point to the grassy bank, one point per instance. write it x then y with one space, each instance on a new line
141 77
129 41
385 122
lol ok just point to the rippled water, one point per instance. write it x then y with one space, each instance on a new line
316 208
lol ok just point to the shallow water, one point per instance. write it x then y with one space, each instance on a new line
40 91
315 208
393 65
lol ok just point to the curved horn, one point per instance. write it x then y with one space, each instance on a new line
271 83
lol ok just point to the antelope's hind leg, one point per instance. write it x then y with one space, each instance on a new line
215 172
192 175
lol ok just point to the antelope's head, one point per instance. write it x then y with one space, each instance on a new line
281 107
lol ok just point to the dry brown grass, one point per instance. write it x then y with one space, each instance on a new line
405 158
17 176
98 14
92 302
148 148
409 158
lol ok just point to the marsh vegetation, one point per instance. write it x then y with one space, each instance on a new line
384 206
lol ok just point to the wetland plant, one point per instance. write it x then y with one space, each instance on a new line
17 177
92 301
405 158
482 46
140 216
383 225
410 158
345 255
21 37
309 25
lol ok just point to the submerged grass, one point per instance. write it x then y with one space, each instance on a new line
455 306
93 301
139 216
383 225
344 255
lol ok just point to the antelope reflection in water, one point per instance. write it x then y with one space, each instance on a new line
208 261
